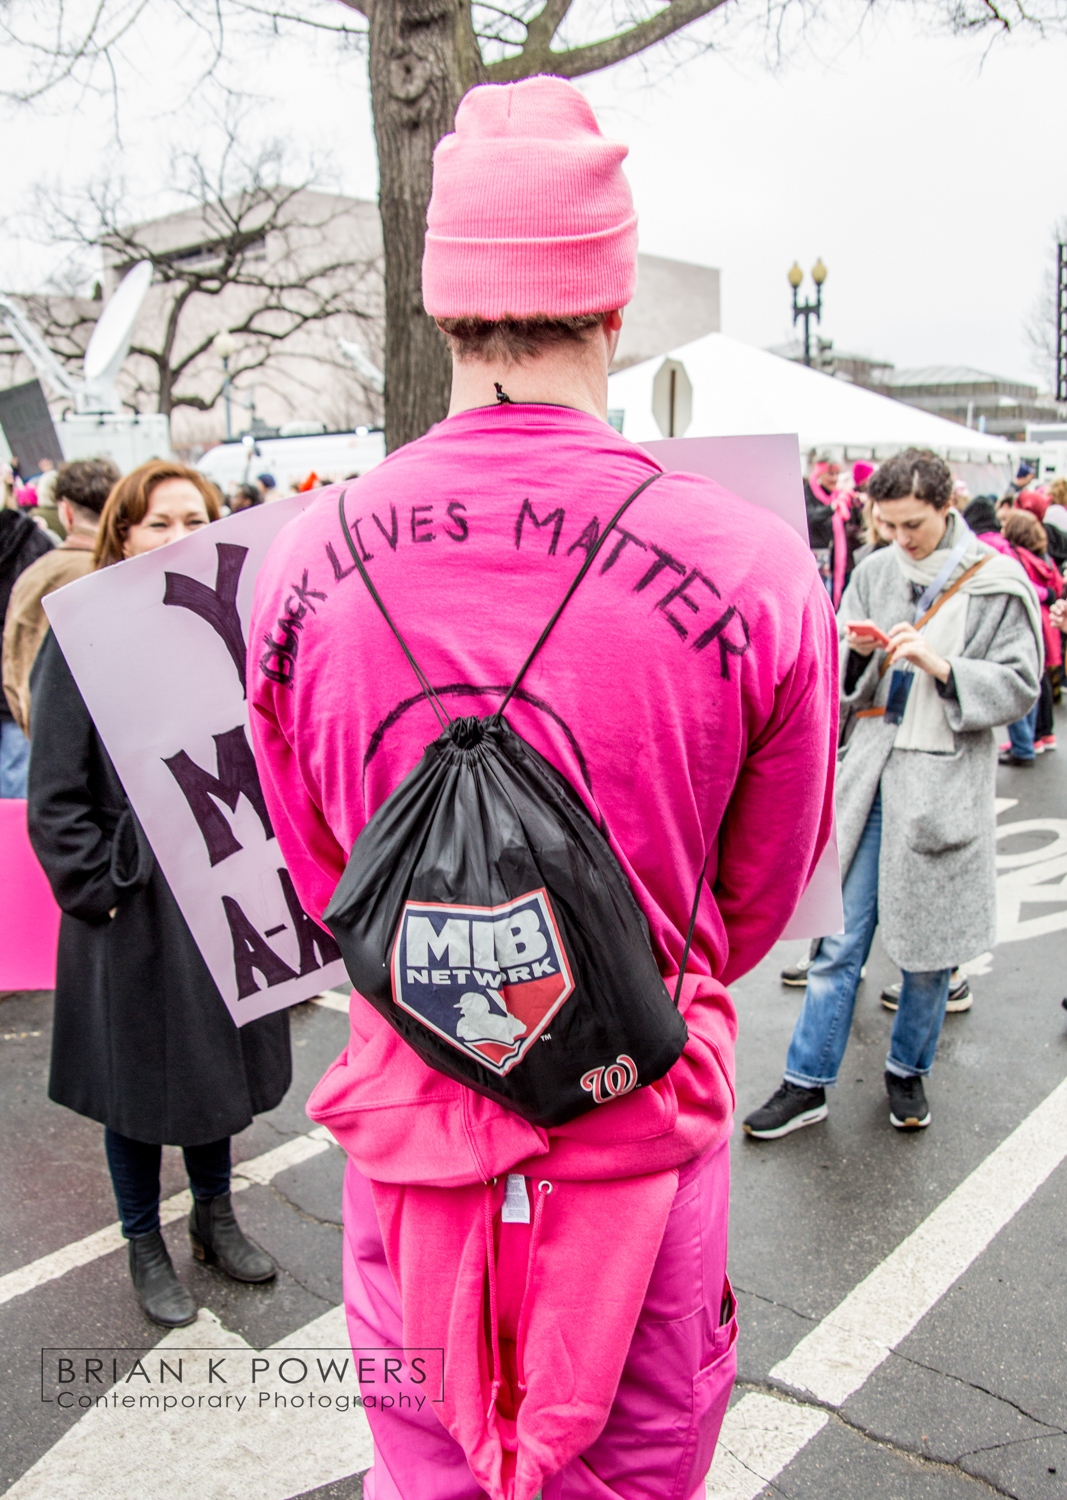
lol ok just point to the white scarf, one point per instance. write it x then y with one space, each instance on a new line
925 725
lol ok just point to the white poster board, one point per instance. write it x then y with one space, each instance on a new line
157 646
766 471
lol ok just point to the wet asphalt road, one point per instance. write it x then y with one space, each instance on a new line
972 1403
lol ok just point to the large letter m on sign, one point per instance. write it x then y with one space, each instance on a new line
236 775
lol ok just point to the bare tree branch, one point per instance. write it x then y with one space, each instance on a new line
275 13
62 57
543 27
596 55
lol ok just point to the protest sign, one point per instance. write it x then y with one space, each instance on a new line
157 646
766 470
28 428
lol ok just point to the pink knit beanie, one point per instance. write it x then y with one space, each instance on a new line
531 214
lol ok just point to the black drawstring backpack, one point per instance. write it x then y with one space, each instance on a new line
484 915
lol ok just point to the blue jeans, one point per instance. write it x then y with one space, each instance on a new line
14 759
821 1033
134 1169
1021 734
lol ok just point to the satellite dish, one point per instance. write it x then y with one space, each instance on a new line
110 342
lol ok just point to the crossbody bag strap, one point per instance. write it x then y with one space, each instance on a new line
942 599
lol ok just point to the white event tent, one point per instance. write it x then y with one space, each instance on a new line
738 389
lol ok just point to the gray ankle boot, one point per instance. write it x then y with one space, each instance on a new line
217 1239
162 1295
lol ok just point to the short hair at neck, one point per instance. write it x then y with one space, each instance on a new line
86 519
512 340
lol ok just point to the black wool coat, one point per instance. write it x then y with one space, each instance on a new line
142 1040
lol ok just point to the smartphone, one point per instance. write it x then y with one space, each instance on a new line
867 632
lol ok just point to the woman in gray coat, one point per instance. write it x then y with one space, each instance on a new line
944 642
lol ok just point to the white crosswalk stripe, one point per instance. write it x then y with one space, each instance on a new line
763 1434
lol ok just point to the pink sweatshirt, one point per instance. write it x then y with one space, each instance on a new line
687 693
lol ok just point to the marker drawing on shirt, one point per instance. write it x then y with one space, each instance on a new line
278 661
472 690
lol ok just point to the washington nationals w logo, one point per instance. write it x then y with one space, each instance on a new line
619 1077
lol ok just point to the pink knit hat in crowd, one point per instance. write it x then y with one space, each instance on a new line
531 214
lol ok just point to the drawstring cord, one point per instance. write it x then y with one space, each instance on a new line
543 1190
494 1326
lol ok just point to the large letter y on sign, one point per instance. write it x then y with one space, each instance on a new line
218 606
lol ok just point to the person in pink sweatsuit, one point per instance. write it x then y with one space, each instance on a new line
585 1331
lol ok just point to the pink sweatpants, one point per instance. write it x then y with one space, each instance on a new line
660 1436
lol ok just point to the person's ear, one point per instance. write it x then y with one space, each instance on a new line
611 328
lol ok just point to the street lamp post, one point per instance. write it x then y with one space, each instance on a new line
225 346
807 310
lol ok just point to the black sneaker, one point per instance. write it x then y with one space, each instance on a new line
908 1109
790 1108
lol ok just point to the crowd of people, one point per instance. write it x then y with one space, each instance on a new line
51 519
672 709
1028 522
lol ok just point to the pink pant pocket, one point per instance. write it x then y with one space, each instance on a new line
711 1395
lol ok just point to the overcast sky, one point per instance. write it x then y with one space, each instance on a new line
926 171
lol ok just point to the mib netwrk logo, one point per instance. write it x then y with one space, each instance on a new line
487 979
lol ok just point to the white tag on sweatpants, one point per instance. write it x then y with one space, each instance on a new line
516 1208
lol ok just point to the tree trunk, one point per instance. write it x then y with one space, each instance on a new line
423 58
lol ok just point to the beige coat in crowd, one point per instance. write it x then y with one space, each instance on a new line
27 624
